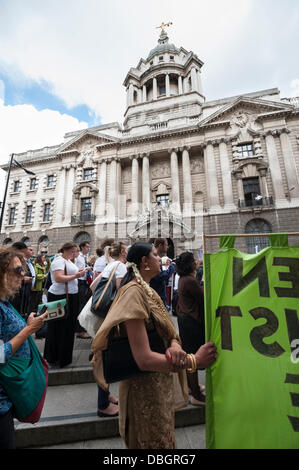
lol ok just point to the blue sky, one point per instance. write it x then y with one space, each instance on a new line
63 62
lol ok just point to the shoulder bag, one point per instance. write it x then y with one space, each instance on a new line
25 382
104 294
118 361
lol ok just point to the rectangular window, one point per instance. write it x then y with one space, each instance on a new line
50 181
28 218
252 192
163 200
161 58
12 214
16 186
86 208
245 150
87 174
32 184
47 209
162 90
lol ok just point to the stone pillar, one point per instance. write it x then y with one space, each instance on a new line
199 83
238 176
167 84
69 194
101 210
176 206
275 168
60 214
144 96
180 85
226 176
112 186
155 91
135 185
290 165
194 82
263 180
187 180
211 178
146 196
131 94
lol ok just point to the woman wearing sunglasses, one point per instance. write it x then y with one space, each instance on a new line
13 332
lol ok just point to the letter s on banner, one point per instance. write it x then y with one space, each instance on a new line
295 353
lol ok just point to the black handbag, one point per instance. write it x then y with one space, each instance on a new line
104 294
118 361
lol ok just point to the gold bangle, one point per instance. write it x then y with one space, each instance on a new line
193 367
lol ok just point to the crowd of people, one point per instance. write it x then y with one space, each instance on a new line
149 285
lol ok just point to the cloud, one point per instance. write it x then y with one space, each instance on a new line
24 128
84 49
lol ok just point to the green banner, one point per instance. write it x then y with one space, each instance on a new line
252 315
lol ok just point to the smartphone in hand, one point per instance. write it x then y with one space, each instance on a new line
42 311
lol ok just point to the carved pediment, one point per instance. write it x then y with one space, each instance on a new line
242 113
84 141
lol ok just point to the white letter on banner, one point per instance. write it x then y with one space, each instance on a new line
295 353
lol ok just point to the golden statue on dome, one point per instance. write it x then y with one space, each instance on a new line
163 26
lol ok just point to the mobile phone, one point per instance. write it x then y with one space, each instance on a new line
43 309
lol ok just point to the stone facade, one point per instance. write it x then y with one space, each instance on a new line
177 167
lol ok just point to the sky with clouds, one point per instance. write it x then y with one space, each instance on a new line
63 62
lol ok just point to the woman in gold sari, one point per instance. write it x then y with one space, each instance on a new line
147 402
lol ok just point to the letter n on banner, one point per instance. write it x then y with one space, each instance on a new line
252 315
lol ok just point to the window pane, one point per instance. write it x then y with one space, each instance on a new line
87 175
50 181
47 212
28 214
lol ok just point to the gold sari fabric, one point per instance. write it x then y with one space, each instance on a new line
147 402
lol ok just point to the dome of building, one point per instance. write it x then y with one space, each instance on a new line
162 47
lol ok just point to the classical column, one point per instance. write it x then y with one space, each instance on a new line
102 189
167 84
194 81
199 83
211 177
144 96
155 90
112 210
131 94
69 194
180 85
187 179
226 176
175 180
275 168
238 176
146 198
135 185
263 180
60 214
290 165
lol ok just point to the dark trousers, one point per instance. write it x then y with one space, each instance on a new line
192 334
7 432
103 398
60 337
82 292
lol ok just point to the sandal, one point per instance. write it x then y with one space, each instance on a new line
101 414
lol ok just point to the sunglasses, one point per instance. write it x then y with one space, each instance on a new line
18 271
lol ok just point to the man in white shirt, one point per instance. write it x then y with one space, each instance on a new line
81 261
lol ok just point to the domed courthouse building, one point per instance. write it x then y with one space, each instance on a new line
177 167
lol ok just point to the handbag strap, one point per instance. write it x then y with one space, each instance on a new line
66 284
106 287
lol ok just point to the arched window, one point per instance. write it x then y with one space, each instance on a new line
7 241
256 244
43 244
82 237
26 240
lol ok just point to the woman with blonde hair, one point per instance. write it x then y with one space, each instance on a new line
147 401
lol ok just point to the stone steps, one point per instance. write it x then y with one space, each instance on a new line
69 415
